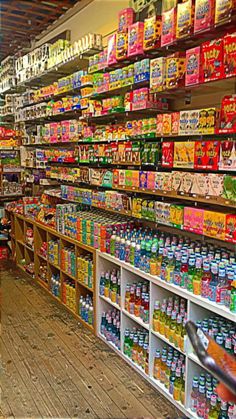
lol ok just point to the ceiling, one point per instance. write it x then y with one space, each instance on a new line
21 21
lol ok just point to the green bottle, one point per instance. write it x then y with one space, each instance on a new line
223 411
233 297
213 412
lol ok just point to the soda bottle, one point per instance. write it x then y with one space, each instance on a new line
164 264
184 271
127 250
197 277
132 251
107 285
223 411
191 273
194 394
153 259
213 412
140 352
168 371
208 400
231 413
159 260
137 303
113 289
122 249
103 322
145 317
127 297
233 297
145 358
172 378
135 349
168 321
117 246
163 368
178 330
172 326
206 279
170 267
156 316
157 365
132 299
183 334
222 286
162 319
201 404
137 256
178 384
214 281
177 274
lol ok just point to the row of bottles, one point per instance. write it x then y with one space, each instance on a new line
205 402
221 330
85 309
110 327
169 370
85 270
69 294
169 319
55 285
136 347
68 260
137 300
53 252
200 268
110 285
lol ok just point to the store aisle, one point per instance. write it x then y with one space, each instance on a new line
53 367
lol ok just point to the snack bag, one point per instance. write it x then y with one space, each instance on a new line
111 49
185 17
135 39
193 59
121 45
126 18
168 31
152 33
204 14
230 55
157 74
212 60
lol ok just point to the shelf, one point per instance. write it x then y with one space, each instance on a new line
108 300
162 337
195 359
91 328
110 344
136 319
41 256
21 242
68 274
42 283
53 264
166 393
84 285
182 292
57 117
28 247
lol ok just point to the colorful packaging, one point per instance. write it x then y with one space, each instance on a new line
177 216
200 184
194 220
214 224
111 49
228 115
185 17
168 32
175 70
184 122
167 154
143 180
230 55
159 124
193 58
212 60
193 121
157 74
227 155
135 39
184 154
208 120
166 130
230 228
121 45
215 185
152 33
177 180
204 14
212 155
200 155
187 183
175 123
151 180
223 11
126 18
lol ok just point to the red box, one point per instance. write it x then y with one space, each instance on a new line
228 115
167 154
193 59
168 32
230 228
200 155
204 14
230 55
212 60
212 155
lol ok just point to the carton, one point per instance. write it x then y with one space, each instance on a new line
157 74
200 185
175 70
230 55
204 14
177 216
152 33
168 32
193 122
166 123
143 180
167 154
200 155
185 18
194 219
214 224
223 11
184 154
125 18
193 59
121 45
227 155
135 39
111 49
183 122
151 180
212 155
212 60
228 115
174 123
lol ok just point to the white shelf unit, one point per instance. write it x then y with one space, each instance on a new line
198 308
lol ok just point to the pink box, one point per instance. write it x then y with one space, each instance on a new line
168 33
111 49
65 130
53 132
204 14
135 39
194 220
126 18
193 59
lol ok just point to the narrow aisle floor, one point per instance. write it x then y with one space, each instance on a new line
54 368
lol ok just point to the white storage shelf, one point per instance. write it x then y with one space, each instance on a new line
198 308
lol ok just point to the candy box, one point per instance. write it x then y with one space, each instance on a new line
200 184
158 180
230 55
121 45
111 49
151 180
136 207
227 155
208 120
175 70
212 60
193 122
135 179
135 39
166 129
193 219
193 59
143 180
212 155
168 32
176 181
184 154
214 224
200 155
166 182
223 11
157 74
159 124
175 123
228 115
215 185
184 122
167 154
177 215
125 18
185 18
204 14
187 183
230 228
152 33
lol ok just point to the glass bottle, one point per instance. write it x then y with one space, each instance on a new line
157 365
178 385
194 394
156 316
201 405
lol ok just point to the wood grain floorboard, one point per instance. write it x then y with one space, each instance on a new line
55 368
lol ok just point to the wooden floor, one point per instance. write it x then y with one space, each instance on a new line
55 368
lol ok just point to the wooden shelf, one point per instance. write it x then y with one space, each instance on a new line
41 256
68 274
55 266
84 285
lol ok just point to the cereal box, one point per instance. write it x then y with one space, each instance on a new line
227 155
230 229
168 33
152 33
200 155
175 123
167 154
204 14
135 39
223 11
121 45
193 59
157 74
230 55
193 219
184 154
175 70
212 60
228 115
185 17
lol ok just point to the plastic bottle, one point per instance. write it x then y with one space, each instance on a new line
170 267
194 394
178 385
156 316
159 260
222 286
178 330
177 274
132 299
172 326
162 319
168 321
214 281
184 271
231 413
233 297
208 399
122 249
145 316
127 297
157 365
197 280
223 411
163 368
206 279
153 259
191 273
127 343
135 349
168 371
117 246
201 404
137 303
137 256
164 263
127 250
112 243
213 412
132 251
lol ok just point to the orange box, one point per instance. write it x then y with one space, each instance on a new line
175 70
166 130
185 19
214 224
